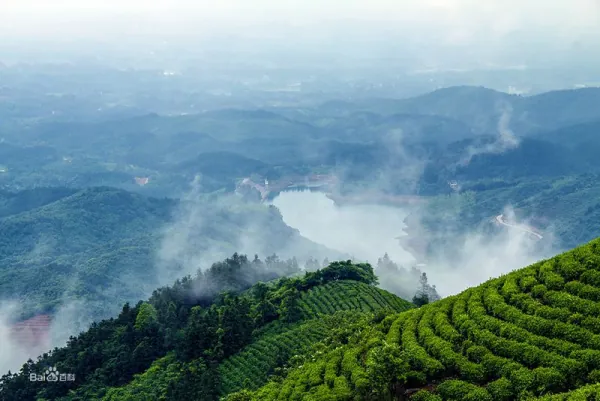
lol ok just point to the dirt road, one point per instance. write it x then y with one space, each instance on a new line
500 220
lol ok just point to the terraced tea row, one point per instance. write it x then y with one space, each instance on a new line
251 367
324 306
349 295
532 333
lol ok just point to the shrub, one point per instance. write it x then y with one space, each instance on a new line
501 389
424 395
547 380
458 390
594 376
521 379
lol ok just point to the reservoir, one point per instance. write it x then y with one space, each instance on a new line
364 231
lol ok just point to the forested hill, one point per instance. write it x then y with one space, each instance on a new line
103 245
533 334
207 336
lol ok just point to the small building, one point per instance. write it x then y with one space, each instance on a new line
141 181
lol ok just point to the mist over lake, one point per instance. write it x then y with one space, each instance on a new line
364 231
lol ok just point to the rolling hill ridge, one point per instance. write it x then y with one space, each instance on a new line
331 334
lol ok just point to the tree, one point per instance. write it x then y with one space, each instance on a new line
198 382
243 395
171 324
425 292
146 317
289 309
260 291
420 299
293 264
386 264
257 263
312 265
236 324
144 354
265 312
199 336
349 271
272 260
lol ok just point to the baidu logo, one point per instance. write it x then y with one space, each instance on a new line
52 375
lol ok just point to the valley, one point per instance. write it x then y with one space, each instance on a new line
299 246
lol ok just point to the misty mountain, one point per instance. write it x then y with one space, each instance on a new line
476 106
109 246
170 150
481 108
532 158
223 166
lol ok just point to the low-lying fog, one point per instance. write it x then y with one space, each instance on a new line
364 231
367 232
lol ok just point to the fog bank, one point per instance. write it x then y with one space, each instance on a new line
364 231
369 231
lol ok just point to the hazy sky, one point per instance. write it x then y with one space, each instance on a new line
424 33
454 20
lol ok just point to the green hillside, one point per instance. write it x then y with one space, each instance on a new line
565 206
251 367
101 245
530 334
274 345
533 334
194 341
57 244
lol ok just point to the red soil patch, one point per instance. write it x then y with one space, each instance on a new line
32 332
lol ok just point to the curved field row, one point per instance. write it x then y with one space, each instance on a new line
349 295
531 334
252 367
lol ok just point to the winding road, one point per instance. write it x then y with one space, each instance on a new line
500 220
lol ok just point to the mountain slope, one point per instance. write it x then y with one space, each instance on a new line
527 334
103 245
275 347
79 244
481 108
193 341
